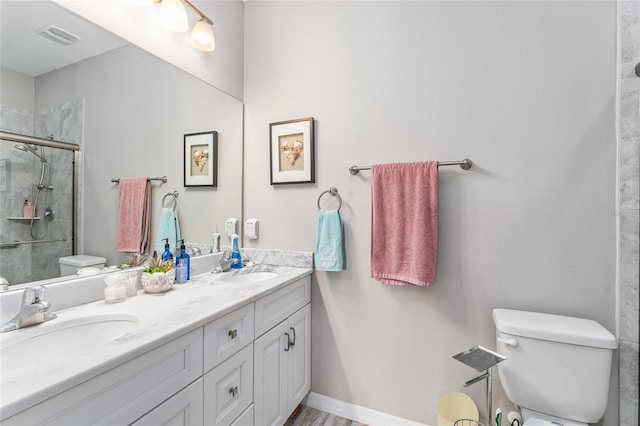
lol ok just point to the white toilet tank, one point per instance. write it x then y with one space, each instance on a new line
555 365
69 265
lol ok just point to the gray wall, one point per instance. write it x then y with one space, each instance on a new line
526 90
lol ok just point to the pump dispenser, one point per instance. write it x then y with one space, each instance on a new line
166 254
236 257
183 265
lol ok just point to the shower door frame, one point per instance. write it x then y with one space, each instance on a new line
50 143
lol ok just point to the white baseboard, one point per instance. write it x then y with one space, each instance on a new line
355 412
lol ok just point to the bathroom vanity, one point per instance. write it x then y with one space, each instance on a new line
220 350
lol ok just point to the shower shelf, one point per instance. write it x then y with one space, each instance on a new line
23 218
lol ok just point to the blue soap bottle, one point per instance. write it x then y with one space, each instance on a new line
183 265
236 257
166 254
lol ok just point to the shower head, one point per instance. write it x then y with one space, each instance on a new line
30 148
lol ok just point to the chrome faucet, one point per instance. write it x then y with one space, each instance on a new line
195 251
33 310
225 263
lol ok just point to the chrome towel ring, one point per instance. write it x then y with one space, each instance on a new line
331 191
174 198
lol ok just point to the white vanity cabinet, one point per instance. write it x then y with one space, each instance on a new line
250 367
282 355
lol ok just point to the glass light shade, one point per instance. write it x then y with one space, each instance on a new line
173 15
141 3
202 37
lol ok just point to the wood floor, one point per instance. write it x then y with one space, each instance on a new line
305 416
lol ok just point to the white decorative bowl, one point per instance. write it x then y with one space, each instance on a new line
158 282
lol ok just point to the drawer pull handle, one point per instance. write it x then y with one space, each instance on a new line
288 342
233 391
293 331
233 333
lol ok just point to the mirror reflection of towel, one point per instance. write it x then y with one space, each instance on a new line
329 255
169 228
134 215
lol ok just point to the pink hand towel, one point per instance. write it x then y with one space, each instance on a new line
404 223
134 221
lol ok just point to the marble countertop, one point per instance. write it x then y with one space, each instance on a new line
161 318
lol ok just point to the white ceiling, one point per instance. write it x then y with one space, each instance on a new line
23 50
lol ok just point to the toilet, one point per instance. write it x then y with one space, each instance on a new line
70 265
557 368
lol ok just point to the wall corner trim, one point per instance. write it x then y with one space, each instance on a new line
355 412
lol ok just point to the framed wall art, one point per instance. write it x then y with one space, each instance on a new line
292 151
201 159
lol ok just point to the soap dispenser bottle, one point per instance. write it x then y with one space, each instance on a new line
183 265
166 254
27 209
236 257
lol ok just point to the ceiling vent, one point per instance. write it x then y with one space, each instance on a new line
58 35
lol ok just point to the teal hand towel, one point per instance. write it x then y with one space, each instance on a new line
329 255
169 228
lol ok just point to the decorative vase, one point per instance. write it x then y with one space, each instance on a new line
158 282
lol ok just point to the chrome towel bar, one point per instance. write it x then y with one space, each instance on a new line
162 178
464 165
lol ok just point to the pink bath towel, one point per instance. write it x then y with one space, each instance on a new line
134 216
404 223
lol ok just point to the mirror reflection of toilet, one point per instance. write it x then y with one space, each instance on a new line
557 369
70 265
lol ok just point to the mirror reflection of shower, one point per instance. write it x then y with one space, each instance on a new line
44 184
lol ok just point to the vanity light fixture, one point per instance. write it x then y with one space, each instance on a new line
173 16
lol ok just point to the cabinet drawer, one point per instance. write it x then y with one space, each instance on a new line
272 309
228 388
227 335
245 419
125 393
182 409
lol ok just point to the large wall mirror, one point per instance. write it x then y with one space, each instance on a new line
128 112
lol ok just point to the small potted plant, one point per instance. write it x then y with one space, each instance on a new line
133 260
158 276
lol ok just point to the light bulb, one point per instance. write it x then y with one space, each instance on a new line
173 15
202 37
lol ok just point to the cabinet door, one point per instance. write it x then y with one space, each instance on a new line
270 386
299 358
125 393
183 409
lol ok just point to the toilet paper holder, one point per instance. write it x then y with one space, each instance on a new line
481 358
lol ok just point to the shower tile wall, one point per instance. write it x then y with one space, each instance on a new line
628 208
32 262
64 122
19 170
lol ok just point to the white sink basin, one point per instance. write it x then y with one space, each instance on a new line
60 339
249 277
